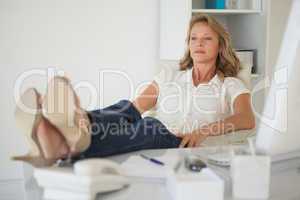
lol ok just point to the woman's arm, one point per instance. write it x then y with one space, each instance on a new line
243 118
147 99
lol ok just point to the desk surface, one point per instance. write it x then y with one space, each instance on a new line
285 181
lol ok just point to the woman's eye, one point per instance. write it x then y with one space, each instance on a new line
193 38
208 38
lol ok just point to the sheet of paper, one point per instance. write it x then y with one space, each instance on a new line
137 166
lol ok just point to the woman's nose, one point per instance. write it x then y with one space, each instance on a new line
200 42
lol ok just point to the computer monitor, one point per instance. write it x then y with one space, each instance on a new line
279 131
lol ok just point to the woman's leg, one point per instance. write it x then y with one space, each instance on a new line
116 129
120 129
124 110
55 146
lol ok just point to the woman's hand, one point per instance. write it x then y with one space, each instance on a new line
191 139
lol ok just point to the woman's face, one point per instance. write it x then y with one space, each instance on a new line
204 44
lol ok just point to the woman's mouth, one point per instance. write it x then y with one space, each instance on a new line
199 52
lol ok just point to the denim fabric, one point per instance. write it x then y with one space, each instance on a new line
119 128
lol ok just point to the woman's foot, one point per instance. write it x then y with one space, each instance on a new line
52 142
62 108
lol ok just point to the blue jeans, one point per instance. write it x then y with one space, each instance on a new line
119 128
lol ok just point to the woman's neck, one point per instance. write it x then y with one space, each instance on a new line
203 73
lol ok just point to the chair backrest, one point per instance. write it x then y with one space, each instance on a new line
245 75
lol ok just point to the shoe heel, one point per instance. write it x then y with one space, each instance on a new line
36 161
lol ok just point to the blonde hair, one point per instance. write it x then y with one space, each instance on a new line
227 62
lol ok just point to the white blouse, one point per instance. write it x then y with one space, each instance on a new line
183 107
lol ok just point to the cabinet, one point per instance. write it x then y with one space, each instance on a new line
247 26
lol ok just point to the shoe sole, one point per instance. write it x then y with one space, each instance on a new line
27 115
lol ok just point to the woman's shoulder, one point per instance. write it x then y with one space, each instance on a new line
232 80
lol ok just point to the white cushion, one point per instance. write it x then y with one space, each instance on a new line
245 75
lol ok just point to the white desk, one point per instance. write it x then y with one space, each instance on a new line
285 182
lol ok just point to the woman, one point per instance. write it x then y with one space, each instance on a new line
201 99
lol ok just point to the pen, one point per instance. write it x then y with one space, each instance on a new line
152 159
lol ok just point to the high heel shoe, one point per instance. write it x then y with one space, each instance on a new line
28 115
62 109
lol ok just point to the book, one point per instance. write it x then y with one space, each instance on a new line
215 4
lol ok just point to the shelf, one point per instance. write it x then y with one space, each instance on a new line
254 75
226 11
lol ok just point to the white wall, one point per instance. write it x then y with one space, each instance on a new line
80 37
